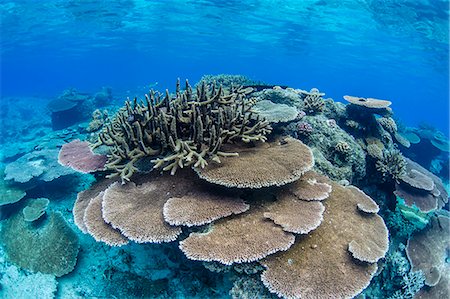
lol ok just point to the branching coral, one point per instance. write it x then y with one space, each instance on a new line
313 102
392 165
187 129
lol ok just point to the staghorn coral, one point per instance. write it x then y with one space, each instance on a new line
201 208
97 227
50 247
288 159
392 165
78 156
319 265
188 129
35 209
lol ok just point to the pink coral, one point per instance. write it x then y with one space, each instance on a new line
78 156
304 128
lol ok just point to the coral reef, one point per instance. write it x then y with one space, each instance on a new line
396 279
183 210
278 95
9 194
275 113
78 155
35 209
313 102
288 159
68 109
97 227
98 120
420 188
227 81
212 174
189 129
16 283
427 251
320 265
49 247
336 153
392 165
39 165
368 102
103 97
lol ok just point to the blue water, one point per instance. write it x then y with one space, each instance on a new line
396 50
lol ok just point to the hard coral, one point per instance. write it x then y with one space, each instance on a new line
35 209
136 211
313 102
368 102
319 265
428 249
184 130
275 113
392 165
50 247
269 164
201 208
97 227
78 156
245 238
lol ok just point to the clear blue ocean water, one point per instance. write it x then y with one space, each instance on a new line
395 50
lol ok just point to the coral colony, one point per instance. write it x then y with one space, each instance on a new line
244 174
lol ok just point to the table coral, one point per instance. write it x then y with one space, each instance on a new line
78 155
50 247
35 209
288 159
319 265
